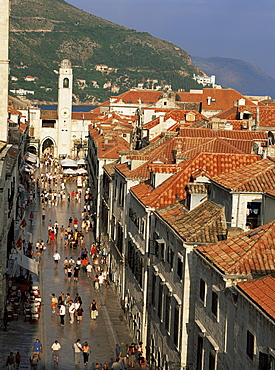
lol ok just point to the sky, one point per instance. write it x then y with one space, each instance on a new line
238 29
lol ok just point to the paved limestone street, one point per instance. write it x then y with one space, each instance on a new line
102 335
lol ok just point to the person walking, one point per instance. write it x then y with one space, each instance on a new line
17 360
131 354
123 355
96 283
77 347
86 353
79 313
55 350
10 362
76 273
65 265
62 313
101 282
89 270
116 365
34 359
69 272
71 311
93 310
56 257
54 301
37 347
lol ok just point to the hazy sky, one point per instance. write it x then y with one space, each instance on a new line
239 29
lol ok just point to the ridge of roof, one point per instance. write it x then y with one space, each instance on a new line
255 177
248 254
204 224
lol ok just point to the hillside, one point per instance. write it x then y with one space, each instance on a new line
237 74
43 32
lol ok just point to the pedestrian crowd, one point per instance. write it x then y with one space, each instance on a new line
91 263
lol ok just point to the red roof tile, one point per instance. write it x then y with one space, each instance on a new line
255 177
251 253
262 292
173 189
204 224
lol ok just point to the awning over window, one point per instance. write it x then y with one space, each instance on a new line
30 157
27 263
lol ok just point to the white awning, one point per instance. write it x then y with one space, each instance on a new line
68 162
69 171
30 157
28 263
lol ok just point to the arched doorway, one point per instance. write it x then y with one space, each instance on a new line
32 149
48 146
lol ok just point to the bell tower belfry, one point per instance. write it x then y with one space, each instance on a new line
4 67
65 87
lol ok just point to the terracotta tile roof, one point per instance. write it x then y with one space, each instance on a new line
162 168
88 116
110 168
151 124
165 153
173 189
215 145
267 116
222 99
229 114
250 254
14 111
226 134
204 224
197 188
133 97
180 115
262 292
256 177
108 148
271 192
48 114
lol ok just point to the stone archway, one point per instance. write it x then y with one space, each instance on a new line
32 149
48 146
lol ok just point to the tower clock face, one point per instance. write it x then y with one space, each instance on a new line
65 113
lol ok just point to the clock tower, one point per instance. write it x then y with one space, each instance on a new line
65 84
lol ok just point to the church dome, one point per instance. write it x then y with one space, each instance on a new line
171 95
65 64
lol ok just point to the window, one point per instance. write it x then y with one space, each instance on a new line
66 82
121 194
167 312
135 262
212 359
160 304
214 305
115 192
113 227
199 352
202 290
170 257
160 249
154 285
176 325
48 123
263 361
180 268
250 344
119 237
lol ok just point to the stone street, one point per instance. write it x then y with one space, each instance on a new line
103 335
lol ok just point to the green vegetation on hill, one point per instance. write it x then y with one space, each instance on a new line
43 32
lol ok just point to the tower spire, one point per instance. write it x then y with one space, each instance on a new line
4 68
